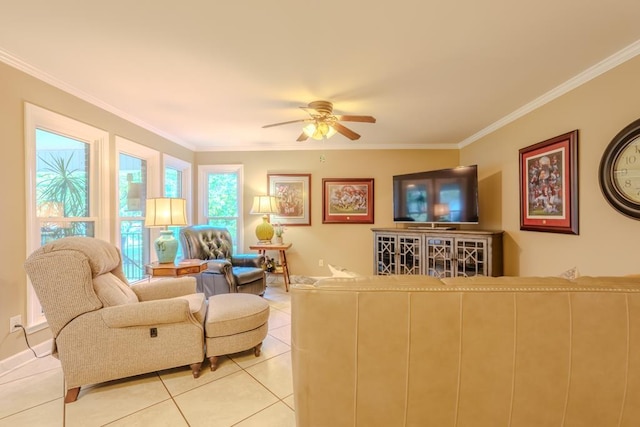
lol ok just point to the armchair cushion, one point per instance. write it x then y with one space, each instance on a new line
197 306
111 291
243 275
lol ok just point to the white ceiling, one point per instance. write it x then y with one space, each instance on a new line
209 74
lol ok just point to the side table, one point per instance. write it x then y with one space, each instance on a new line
176 269
282 255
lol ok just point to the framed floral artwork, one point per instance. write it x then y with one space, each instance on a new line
293 192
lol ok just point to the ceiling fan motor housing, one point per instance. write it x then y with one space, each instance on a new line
324 108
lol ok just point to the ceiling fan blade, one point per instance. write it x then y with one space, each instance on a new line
303 137
364 119
285 123
346 132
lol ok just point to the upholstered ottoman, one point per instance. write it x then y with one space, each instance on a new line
234 323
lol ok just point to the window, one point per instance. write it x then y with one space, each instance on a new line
450 195
177 183
67 162
138 173
221 196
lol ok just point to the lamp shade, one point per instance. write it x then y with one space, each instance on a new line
264 205
165 211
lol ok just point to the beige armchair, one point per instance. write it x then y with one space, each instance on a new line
105 329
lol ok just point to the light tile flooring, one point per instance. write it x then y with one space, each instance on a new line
244 391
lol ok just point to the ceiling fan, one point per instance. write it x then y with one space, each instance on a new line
323 124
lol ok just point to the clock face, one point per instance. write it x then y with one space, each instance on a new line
626 171
619 172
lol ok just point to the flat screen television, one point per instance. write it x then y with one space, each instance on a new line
444 196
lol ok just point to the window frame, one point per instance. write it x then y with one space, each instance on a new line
36 117
203 172
152 157
186 169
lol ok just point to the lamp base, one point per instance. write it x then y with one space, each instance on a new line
264 231
166 247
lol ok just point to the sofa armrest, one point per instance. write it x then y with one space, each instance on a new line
165 288
147 313
247 260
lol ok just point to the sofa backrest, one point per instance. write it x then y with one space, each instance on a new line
62 274
410 350
206 242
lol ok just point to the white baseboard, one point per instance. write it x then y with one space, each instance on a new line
17 360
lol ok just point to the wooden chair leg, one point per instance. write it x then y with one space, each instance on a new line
72 395
195 369
257 349
214 362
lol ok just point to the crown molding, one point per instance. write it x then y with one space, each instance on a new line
19 64
596 70
590 73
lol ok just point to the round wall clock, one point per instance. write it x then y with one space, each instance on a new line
620 171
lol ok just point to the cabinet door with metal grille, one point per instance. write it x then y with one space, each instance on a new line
385 254
440 256
471 257
409 256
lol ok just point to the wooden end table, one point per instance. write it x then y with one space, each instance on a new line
282 255
176 269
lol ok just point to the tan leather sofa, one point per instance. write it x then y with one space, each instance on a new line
477 352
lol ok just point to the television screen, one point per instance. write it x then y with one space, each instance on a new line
438 196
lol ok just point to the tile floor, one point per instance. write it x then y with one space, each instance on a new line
244 391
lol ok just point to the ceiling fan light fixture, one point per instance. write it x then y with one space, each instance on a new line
319 131
309 130
323 124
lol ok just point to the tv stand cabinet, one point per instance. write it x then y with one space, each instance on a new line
439 253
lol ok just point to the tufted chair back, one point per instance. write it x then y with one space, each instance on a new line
207 242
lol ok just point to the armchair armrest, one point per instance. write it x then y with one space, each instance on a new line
218 266
147 313
165 288
247 260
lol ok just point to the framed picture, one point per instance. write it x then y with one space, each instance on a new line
549 185
293 192
346 200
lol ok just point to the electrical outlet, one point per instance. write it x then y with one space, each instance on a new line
320 263
13 322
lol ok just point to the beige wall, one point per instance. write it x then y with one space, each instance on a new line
608 241
16 88
347 245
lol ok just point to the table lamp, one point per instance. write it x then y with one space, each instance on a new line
264 205
165 212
